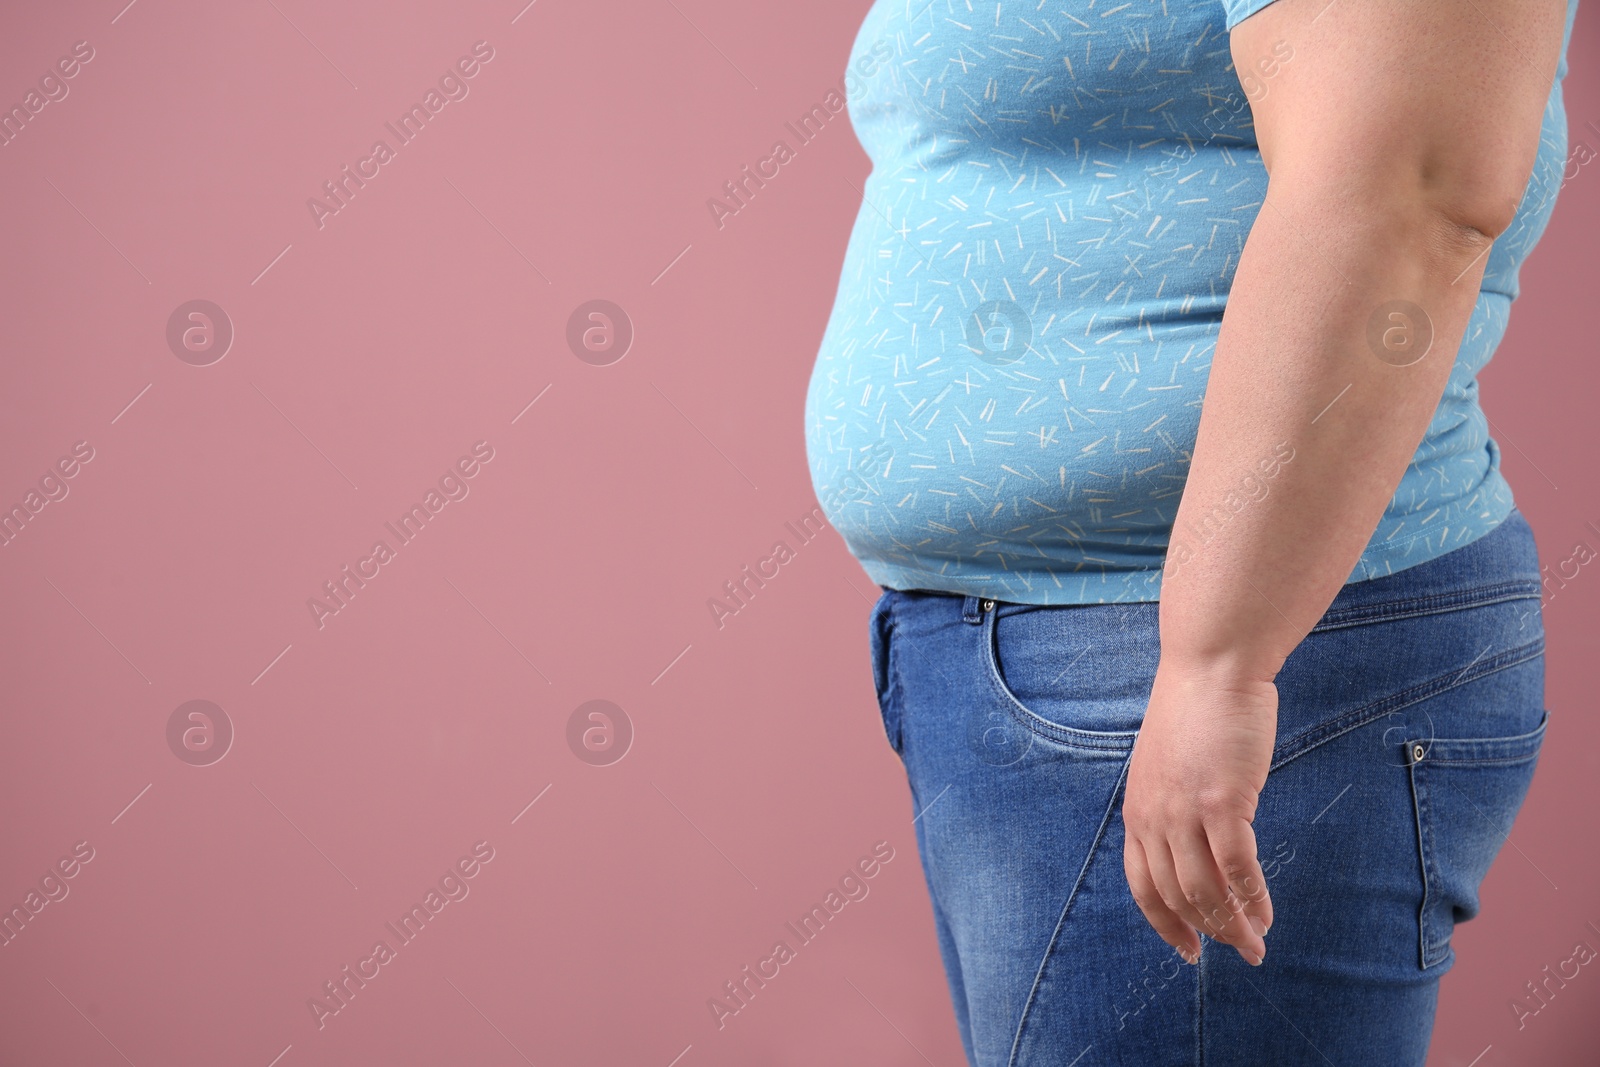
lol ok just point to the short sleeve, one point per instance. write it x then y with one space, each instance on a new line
1236 11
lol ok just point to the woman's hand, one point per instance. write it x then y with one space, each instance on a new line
1198 765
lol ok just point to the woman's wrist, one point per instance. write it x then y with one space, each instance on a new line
1217 668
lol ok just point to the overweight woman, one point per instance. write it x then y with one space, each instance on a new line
1209 634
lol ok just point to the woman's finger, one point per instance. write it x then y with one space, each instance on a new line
1233 849
1164 873
1149 895
1206 891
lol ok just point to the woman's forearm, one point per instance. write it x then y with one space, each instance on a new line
1307 428
1386 192
1399 141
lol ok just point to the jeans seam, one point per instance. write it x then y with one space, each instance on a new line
1055 935
1309 739
1434 604
1448 762
1498 751
1418 804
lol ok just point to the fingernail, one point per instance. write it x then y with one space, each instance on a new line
1258 926
1252 958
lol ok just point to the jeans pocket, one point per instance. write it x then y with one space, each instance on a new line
1467 792
880 627
1078 675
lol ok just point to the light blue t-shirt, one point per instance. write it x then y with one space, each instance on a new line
1006 396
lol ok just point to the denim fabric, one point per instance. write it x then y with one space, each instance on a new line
1410 720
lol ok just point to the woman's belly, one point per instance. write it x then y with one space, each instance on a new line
1011 380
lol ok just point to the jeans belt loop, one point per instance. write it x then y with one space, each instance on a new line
973 608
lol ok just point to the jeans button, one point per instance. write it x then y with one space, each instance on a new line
988 605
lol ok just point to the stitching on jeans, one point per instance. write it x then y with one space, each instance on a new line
1447 761
1433 952
1307 740
1115 741
1044 961
1417 804
1496 750
1433 604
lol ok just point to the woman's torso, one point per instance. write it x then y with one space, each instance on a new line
1007 394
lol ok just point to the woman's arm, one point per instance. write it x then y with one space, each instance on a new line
1399 141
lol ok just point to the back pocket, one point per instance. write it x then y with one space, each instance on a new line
1467 793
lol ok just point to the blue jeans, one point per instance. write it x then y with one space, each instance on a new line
1409 723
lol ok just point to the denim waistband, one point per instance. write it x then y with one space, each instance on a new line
1501 565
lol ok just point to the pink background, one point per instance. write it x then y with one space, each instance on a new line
371 754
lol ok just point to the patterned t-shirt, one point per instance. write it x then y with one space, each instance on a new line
1006 397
